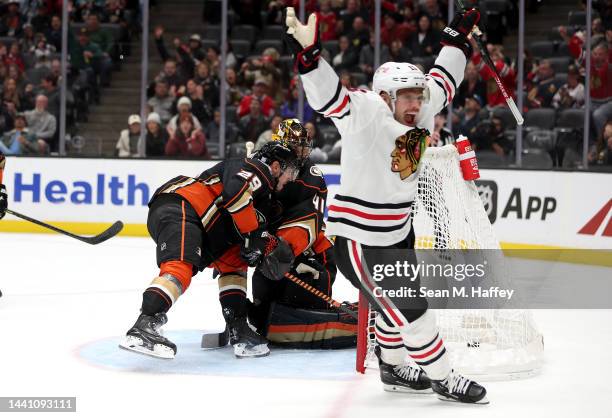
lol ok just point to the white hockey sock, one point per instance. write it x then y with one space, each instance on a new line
425 346
389 339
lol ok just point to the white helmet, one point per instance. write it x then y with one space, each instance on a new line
393 76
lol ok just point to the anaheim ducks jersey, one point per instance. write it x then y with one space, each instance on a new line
379 182
232 198
2 163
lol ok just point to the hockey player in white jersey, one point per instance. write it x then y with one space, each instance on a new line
384 134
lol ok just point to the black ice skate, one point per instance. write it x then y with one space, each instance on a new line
404 378
145 337
246 342
457 388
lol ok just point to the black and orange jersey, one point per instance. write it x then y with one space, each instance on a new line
303 205
235 187
2 163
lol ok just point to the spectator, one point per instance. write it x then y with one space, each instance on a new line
346 58
233 89
470 117
213 128
12 21
28 39
440 135
184 110
105 41
49 88
506 72
42 123
187 141
393 28
19 141
398 53
432 10
42 52
347 15
54 33
128 144
267 104
571 94
41 20
10 93
213 58
289 108
200 109
170 74
366 56
472 84
209 83
162 102
489 136
601 152
425 41
252 124
359 36
14 57
317 155
546 86
266 136
156 138
327 22
85 56
347 80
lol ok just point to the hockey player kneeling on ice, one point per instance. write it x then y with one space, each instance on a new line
187 215
384 134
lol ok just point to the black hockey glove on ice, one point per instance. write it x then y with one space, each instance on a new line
3 201
278 262
457 31
256 246
302 40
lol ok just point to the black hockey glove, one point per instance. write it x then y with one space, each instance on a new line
256 246
3 201
302 41
278 262
305 264
456 33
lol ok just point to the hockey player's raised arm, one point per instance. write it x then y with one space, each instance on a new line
448 70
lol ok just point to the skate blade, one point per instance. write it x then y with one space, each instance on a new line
135 345
483 401
242 351
403 389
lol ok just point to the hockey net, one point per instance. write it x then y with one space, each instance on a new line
449 214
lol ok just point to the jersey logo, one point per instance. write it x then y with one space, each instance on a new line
408 150
316 171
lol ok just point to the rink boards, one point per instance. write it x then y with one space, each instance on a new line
527 208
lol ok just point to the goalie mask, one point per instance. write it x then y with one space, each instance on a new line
292 134
394 76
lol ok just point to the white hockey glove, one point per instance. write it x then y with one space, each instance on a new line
303 40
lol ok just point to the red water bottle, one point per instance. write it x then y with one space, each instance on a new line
467 159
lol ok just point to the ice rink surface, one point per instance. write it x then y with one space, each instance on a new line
66 305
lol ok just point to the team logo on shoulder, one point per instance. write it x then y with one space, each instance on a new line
316 171
408 151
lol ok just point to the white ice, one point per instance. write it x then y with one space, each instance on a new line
66 304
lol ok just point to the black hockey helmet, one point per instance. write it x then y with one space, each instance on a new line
277 151
294 135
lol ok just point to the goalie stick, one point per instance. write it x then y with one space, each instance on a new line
221 339
110 232
477 34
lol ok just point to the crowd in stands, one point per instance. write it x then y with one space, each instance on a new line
30 65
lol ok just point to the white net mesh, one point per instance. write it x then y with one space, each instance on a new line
449 214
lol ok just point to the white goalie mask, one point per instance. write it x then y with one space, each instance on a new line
393 76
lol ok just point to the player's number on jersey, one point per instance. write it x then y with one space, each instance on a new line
318 203
254 181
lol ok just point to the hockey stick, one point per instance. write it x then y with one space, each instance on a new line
340 306
113 230
477 34
220 339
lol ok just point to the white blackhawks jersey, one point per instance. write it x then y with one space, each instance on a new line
377 185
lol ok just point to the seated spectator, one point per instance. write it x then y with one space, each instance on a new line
54 33
104 39
213 128
348 14
504 69
233 89
359 36
472 84
48 87
398 53
200 108
161 102
156 138
209 83
327 22
213 58
394 27
440 135
42 51
129 139
541 95
432 10
187 141
267 104
170 74
252 124
86 57
11 24
601 151
469 117
425 41
28 39
19 141
14 57
41 20
366 56
571 94
289 108
184 110
489 136
11 94
266 136
42 123
347 57
317 155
